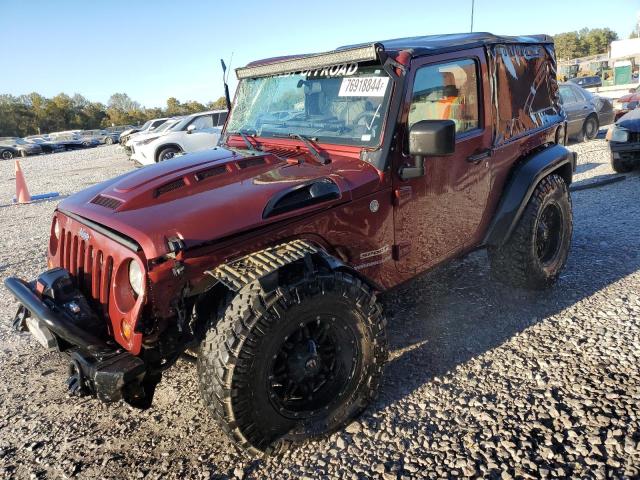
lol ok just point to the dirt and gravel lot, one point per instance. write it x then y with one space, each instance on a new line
483 380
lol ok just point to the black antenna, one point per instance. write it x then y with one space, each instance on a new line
472 7
225 76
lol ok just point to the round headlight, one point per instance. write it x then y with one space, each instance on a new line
135 277
56 228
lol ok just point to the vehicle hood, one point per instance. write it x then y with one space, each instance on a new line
630 121
210 195
629 97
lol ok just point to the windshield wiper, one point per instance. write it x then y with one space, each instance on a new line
245 138
307 141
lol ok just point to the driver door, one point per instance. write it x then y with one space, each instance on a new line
440 213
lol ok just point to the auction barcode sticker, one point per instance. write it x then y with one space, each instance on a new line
363 87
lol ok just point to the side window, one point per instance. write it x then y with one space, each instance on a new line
202 122
567 95
223 118
447 91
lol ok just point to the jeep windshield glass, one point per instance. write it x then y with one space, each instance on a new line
345 104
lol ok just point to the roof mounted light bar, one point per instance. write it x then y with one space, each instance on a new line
316 61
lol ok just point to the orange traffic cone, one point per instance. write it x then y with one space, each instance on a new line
22 192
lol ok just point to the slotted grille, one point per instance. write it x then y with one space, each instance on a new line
251 162
211 172
169 187
634 137
91 267
285 152
106 202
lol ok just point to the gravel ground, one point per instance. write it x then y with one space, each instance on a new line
483 380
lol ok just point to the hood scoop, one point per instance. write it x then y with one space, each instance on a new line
303 195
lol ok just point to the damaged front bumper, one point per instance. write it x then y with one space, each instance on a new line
59 317
627 151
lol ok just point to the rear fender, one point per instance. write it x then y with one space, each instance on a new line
526 176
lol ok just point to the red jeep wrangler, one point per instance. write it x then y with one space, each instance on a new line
339 175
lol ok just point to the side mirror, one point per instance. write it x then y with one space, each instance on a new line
632 90
434 138
191 128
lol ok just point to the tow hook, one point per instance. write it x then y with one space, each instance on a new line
20 320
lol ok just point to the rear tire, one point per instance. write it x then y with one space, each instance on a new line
7 155
167 154
620 166
590 128
539 246
108 141
280 367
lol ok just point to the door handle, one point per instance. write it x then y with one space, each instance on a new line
476 158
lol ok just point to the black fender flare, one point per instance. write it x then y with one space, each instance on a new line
266 265
518 190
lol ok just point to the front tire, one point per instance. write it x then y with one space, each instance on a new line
299 362
7 155
108 141
539 246
620 166
167 154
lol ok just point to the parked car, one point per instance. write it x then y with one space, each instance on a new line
102 136
585 111
191 134
624 142
23 147
333 181
46 145
587 82
72 141
140 137
118 128
627 102
7 152
146 127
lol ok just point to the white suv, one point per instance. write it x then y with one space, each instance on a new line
191 134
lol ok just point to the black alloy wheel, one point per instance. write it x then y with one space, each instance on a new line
549 234
313 365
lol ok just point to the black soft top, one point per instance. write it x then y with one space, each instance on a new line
430 44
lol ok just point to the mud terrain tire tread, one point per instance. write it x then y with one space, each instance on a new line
233 339
515 263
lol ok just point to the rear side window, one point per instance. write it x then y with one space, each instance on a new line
526 96
447 91
568 96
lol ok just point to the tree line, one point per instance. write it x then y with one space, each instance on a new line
34 114
583 43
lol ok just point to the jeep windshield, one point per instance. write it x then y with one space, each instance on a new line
343 105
